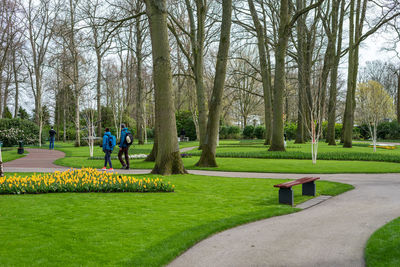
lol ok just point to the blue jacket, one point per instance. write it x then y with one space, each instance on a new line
106 143
123 135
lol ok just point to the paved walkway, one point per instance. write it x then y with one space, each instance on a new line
37 158
333 233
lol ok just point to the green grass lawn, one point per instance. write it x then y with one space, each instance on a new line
256 149
383 247
255 165
70 150
135 229
9 154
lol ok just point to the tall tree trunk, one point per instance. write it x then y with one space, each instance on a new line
207 158
15 70
98 93
398 98
197 37
277 142
331 138
168 160
301 76
140 87
355 30
77 123
1 92
153 154
264 72
335 35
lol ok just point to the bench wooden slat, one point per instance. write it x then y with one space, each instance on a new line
297 182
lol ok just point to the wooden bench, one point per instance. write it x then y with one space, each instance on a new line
286 192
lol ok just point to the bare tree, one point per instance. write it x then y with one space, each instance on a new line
262 41
196 15
40 21
207 158
101 43
357 21
168 159
286 23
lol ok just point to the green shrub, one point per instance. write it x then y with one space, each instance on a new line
290 130
364 132
233 132
223 132
356 133
388 130
248 132
184 120
150 133
259 132
338 130
7 113
13 130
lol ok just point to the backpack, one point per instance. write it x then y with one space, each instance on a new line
129 138
112 142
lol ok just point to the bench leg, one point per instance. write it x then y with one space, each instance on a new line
286 196
309 189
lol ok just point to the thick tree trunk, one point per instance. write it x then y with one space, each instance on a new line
277 142
330 138
336 34
355 33
264 72
197 37
201 98
207 158
153 154
168 160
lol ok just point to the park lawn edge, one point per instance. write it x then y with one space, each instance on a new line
189 165
167 249
215 227
383 246
10 157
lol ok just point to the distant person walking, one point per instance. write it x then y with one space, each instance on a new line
52 137
124 143
108 146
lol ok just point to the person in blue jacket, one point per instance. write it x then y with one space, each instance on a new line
108 147
123 148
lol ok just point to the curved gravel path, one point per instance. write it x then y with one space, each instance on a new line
333 233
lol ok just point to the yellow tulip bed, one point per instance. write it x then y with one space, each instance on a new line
83 180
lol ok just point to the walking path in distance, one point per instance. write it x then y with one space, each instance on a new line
37 158
333 233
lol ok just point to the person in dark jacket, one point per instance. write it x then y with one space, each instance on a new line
107 149
123 148
52 137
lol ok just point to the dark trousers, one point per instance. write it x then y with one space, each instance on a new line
124 150
51 144
107 158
